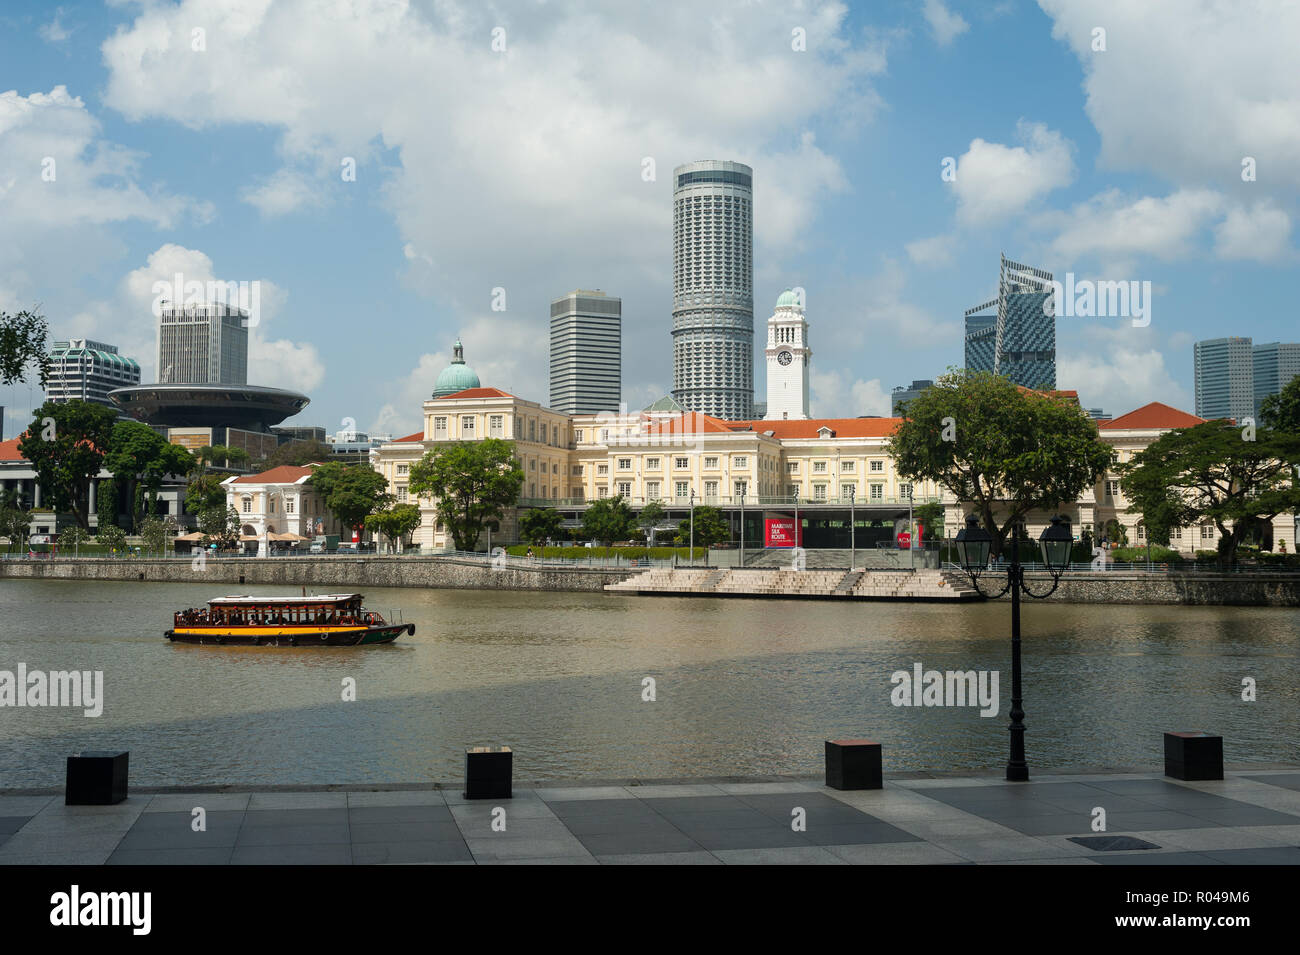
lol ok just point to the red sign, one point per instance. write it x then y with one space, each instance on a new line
780 532
904 540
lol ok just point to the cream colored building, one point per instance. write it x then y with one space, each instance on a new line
279 501
834 468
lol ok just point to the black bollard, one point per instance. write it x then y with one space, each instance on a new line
1193 756
96 779
853 764
488 772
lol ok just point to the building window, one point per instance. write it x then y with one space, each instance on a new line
602 468
848 490
1207 532
532 464
532 429
1112 488
848 467
681 464
819 492
710 489
652 489
711 464
248 506
497 426
683 488
577 469
604 434
1141 532
792 490
288 506
625 464
877 492
877 466
625 488
440 428
740 462
555 435
467 426
819 467
555 468
602 491
652 464
742 488
532 489
1176 533
577 436
401 494
792 467
904 491
403 468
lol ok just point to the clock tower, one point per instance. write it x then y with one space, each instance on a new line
788 356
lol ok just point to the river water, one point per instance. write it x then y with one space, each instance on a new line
742 687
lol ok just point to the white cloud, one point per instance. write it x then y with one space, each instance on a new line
55 31
1117 229
995 181
945 24
283 192
1187 88
837 394
1258 233
1118 368
936 250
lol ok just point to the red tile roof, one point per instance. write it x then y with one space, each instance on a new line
284 474
689 423
843 427
418 436
9 450
478 393
1153 416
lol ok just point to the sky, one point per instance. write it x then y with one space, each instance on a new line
382 168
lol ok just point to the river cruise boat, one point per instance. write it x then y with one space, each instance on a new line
320 620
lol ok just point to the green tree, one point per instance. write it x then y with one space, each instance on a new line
352 492
72 538
22 345
1281 411
66 443
539 524
710 528
1211 472
472 482
395 522
157 533
998 446
608 519
930 516
220 455
112 538
15 524
651 516
1115 533
140 458
220 526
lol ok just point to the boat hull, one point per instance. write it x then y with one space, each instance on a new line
289 636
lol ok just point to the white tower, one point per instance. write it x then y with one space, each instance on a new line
788 356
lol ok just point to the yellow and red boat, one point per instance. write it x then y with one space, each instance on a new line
321 620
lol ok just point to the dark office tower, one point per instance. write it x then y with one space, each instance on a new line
1015 333
586 353
713 288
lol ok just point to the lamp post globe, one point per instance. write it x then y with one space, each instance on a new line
1055 544
973 544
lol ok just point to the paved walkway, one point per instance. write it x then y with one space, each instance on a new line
1248 818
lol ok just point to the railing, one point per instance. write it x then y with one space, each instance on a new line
754 501
503 560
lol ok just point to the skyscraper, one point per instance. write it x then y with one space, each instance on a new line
586 352
1018 337
85 370
1225 378
1274 365
203 345
713 288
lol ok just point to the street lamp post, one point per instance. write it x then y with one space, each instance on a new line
692 527
973 544
853 529
911 532
742 529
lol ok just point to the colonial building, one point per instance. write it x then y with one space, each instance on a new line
277 503
788 357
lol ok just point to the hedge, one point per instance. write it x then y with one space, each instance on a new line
631 553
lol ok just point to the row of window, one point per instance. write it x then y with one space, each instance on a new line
442 425
821 492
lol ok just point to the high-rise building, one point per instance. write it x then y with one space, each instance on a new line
1224 370
1015 333
788 356
85 370
713 288
1274 365
900 395
203 345
586 352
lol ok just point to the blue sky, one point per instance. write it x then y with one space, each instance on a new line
521 169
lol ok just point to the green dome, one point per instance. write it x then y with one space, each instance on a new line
457 376
788 299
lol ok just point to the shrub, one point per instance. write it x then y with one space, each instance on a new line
1138 555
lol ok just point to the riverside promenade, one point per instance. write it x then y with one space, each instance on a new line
1252 817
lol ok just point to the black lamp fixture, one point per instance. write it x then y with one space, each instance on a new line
973 545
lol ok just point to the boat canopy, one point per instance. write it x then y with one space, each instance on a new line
246 600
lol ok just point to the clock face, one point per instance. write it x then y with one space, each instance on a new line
784 357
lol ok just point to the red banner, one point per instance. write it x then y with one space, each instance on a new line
780 532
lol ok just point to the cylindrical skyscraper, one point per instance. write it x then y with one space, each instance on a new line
713 288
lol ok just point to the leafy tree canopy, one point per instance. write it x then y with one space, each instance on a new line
998 446
1211 472
352 492
538 525
608 519
299 454
140 458
710 528
395 522
66 444
23 346
1282 410
471 483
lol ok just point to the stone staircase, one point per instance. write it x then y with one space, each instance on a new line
801 584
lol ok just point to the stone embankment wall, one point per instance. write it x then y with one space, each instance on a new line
357 573
345 573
